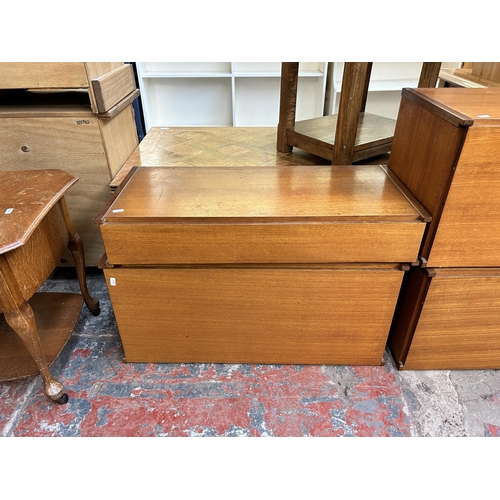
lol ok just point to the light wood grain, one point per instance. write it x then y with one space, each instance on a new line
119 138
459 324
113 86
149 244
212 146
74 140
469 230
27 75
254 315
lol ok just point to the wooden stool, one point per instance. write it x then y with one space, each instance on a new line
35 228
350 136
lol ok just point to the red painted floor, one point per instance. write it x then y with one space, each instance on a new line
110 398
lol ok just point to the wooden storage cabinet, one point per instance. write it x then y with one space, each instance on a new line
325 315
258 264
57 128
445 151
448 319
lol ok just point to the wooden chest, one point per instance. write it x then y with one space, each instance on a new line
448 319
446 151
258 264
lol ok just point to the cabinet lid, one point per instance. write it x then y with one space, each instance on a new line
459 106
262 194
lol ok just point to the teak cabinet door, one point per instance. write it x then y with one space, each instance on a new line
450 319
254 314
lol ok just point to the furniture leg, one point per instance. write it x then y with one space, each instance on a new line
20 317
354 90
75 246
429 74
288 103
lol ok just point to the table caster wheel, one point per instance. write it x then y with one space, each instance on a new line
62 400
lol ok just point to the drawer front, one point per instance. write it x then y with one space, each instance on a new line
254 315
50 142
33 75
459 326
141 243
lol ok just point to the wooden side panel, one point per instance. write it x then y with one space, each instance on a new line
95 70
411 299
39 75
459 327
33 262
76 148
119 137
137 243
469 231
112 87
424 152
255 315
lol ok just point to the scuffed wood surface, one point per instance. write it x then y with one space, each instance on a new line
26 196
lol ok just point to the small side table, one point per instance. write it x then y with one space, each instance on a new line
35 229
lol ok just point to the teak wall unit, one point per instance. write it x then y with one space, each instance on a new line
446 151
77 117
258 264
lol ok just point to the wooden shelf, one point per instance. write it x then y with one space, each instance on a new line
319 134
56 315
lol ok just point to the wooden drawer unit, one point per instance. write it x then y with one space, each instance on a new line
77 117
448 319
446 151
258 264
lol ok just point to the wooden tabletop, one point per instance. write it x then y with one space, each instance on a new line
481 105
209 146
26 196
261 194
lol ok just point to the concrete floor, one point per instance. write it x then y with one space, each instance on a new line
110 398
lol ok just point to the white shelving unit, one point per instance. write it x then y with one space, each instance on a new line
225 94
386 82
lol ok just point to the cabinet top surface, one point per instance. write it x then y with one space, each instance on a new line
260 194
479 104
26 196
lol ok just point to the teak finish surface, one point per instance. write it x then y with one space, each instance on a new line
257 315
445 151
260 194
458 327
469 229
176 215
481 105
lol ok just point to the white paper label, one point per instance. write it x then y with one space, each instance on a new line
112 281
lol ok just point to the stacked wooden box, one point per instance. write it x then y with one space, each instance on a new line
294 264
446 151
77 117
